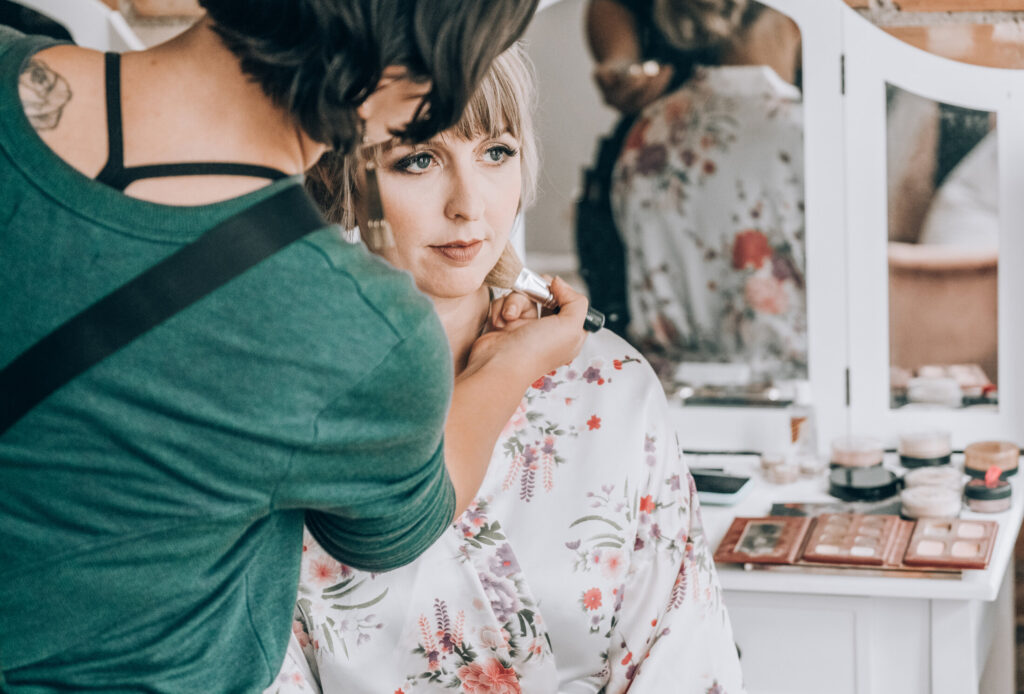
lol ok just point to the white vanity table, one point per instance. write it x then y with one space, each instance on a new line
806 633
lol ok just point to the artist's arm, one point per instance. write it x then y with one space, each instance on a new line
615 45
502 365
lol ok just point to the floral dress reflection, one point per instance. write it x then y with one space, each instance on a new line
708 193
582 566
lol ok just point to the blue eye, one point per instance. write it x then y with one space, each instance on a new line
415 163
499 153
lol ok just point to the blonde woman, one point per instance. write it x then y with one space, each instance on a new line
582 565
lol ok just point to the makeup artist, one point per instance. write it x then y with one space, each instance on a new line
151 508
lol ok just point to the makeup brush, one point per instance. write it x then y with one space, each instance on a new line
378 235
509 273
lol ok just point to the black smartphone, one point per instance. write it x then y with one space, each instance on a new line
720 488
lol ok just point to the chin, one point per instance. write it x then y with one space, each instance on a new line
452 287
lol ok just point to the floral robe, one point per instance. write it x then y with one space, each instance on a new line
708 195
582 566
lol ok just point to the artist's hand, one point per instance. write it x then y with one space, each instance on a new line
628 87
510 308
530 347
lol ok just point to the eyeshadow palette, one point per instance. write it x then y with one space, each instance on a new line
886 544
957 544
768 540
851 539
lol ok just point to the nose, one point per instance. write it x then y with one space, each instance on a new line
465 198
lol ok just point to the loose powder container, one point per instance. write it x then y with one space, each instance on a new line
862 484
985 498
856 452
982 455
925 448
946 476
930 502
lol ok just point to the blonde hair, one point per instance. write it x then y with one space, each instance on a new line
504 102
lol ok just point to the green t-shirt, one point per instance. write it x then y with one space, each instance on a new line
151 510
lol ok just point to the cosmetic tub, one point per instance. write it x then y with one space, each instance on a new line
985 498
982 455
946 476
925 449
862 483
929 501
856 452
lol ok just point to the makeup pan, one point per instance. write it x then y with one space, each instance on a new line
982 455
850 539
955 544
927 448
862 484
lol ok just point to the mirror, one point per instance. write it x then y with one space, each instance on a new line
708 196
943 247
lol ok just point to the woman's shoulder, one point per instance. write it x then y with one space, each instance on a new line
612 367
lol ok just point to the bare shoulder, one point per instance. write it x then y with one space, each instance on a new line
61 91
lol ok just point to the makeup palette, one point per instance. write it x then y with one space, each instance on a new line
956 544
886 544
767 540
851 539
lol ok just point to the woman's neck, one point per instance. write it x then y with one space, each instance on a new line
220 90
463 319
772 40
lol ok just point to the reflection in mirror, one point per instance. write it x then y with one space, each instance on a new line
943 209
708 195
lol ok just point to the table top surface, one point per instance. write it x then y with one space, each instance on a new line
971 585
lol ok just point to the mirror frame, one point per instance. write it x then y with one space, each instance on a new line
873 59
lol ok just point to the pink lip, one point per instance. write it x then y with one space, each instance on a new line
459 251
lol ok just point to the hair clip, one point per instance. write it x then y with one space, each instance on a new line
377 235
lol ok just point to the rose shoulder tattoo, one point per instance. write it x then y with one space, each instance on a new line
44 94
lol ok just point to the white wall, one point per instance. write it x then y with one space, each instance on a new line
570 119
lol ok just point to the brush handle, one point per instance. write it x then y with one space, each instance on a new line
594 320
533 285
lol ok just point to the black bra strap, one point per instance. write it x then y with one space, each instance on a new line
115 133
116 175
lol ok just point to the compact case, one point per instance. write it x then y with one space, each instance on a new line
982 455
926 448
862 484
985 497
856 452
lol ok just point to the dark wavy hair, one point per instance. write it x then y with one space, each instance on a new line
320 59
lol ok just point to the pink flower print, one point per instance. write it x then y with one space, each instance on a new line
617 364
689 157
707 141
613 561
491 678
324 570
592 599
593 375
750 250
300 633
627 658
594 423
709 167
635 140
766 295
676 109
517 423
647 504
491 638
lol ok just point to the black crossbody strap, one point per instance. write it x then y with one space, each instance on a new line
209 262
